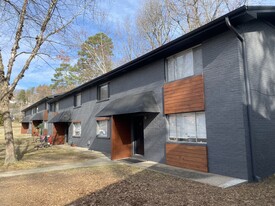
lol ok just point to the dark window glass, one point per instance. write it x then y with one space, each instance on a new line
103 92
77 100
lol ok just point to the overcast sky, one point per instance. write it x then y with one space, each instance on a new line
41 72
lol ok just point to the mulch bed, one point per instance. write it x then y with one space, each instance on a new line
125 185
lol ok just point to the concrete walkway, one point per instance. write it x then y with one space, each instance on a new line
206 178
89 163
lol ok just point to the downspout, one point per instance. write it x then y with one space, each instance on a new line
247 96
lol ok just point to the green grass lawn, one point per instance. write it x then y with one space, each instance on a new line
29 157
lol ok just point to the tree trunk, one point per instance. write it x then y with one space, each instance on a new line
10 151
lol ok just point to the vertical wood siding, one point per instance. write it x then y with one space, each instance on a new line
121 137
187 156
45 115
185 95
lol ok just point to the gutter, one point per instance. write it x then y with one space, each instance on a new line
247 96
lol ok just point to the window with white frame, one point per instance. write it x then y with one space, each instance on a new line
77 100
76 129
184 64
102 128
187 127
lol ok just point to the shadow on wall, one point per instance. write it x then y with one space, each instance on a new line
261 65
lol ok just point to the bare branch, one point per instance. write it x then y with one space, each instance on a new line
17 39
39 42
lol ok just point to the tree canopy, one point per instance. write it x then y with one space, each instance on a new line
94 59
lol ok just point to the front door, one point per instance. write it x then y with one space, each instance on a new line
138 135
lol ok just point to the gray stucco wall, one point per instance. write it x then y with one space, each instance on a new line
226 130
260 44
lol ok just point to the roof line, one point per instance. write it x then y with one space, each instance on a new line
217 22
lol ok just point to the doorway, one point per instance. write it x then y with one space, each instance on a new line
60 133
138 135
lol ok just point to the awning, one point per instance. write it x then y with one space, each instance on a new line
37 117
61 117
26 119
137 103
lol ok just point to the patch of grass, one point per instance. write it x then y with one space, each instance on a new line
29 157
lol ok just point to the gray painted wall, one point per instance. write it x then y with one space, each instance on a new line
42 107
28 112
149 78
225 125
260 44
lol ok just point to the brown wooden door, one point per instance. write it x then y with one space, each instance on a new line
121 137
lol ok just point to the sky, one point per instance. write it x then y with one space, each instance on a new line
41 70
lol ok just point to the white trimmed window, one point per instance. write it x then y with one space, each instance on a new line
76 129
102 128
187 127
184 64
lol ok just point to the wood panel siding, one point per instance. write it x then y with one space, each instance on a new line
102 118
187 156
45 115
185 95
121 137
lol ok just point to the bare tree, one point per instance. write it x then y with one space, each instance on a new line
131 43
188 15
154 23
32 27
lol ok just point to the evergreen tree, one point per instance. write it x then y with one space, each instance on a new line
65 76
95 59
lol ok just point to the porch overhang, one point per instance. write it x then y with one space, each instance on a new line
137 103
26 119
61 117
38 116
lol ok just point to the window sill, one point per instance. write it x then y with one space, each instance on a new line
104 100
187 143
76 136
100 137
183 78
76 107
